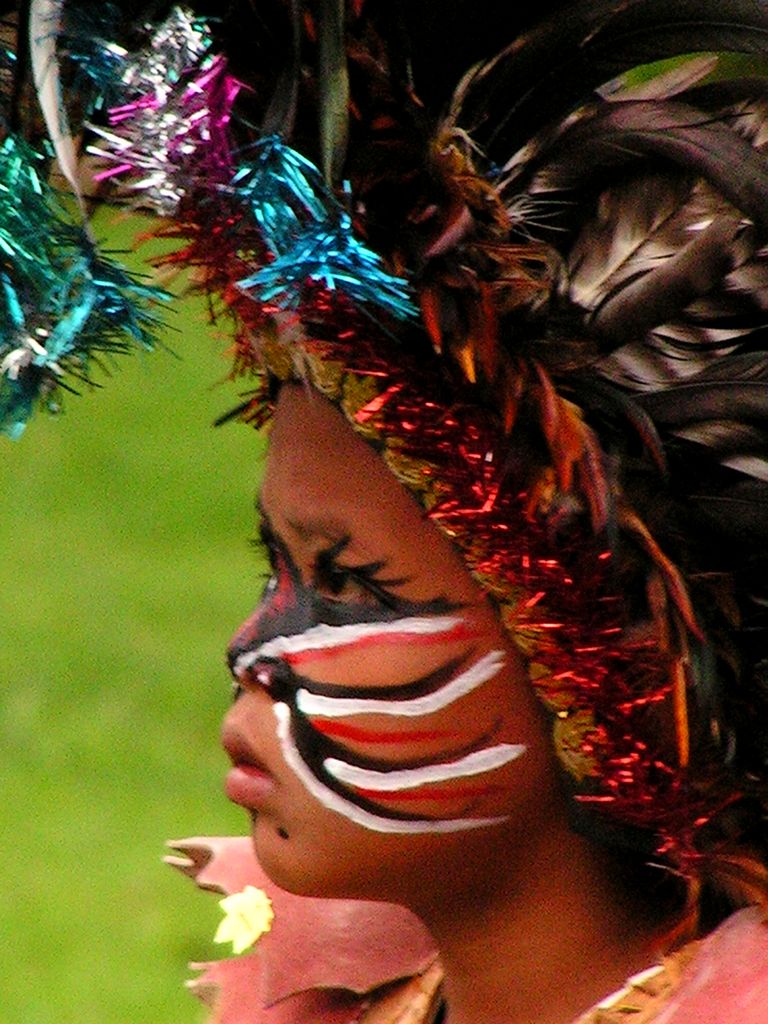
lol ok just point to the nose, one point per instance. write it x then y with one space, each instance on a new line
269 674
250 672
278 599
247 636
247 727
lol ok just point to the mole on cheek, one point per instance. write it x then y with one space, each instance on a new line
282 833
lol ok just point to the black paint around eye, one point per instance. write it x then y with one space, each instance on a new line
333 577
291 605
329 575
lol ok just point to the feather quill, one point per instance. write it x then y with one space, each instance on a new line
44 26
334 89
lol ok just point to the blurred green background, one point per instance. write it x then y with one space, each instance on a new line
125 566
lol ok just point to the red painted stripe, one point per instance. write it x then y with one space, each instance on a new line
460 632
428 793
353 732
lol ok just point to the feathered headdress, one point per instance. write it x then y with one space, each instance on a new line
539 284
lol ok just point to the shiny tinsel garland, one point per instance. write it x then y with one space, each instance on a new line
266 211
63 303
607 683
169 135
170 142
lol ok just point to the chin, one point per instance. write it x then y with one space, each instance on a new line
291 864
301 865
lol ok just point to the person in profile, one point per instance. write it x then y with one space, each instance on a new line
500 277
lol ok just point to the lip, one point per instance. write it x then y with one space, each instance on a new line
248 782
248 785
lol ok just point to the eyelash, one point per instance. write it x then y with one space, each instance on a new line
265 548
328 574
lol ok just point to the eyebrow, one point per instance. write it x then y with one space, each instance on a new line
307 526
335 530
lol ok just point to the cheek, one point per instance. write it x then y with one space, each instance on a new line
401 727
443 764
382 656
474 697
389 740
314 838
483 716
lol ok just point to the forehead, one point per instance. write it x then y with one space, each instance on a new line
320 475
323 480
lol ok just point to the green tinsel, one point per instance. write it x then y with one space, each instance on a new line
63 303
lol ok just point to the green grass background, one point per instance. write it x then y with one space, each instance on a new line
125 566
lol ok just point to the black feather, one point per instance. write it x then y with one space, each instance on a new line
621 134
545 74
735 388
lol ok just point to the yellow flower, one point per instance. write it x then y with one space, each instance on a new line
247 916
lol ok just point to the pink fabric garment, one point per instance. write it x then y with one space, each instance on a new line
727 981
320 959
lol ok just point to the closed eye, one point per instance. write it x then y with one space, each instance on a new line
354 584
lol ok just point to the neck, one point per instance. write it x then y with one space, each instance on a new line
543 949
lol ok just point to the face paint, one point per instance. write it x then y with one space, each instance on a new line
329 641
313 703
353 810
296 626
410 778
341 730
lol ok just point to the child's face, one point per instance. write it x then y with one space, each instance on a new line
384 725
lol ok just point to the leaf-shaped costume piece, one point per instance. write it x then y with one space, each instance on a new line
328 961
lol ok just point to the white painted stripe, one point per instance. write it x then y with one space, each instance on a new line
333 802
340 707
478 763
323 637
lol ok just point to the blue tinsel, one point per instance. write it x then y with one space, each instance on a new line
282 190
310 236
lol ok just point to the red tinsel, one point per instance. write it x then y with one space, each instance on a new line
562 594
